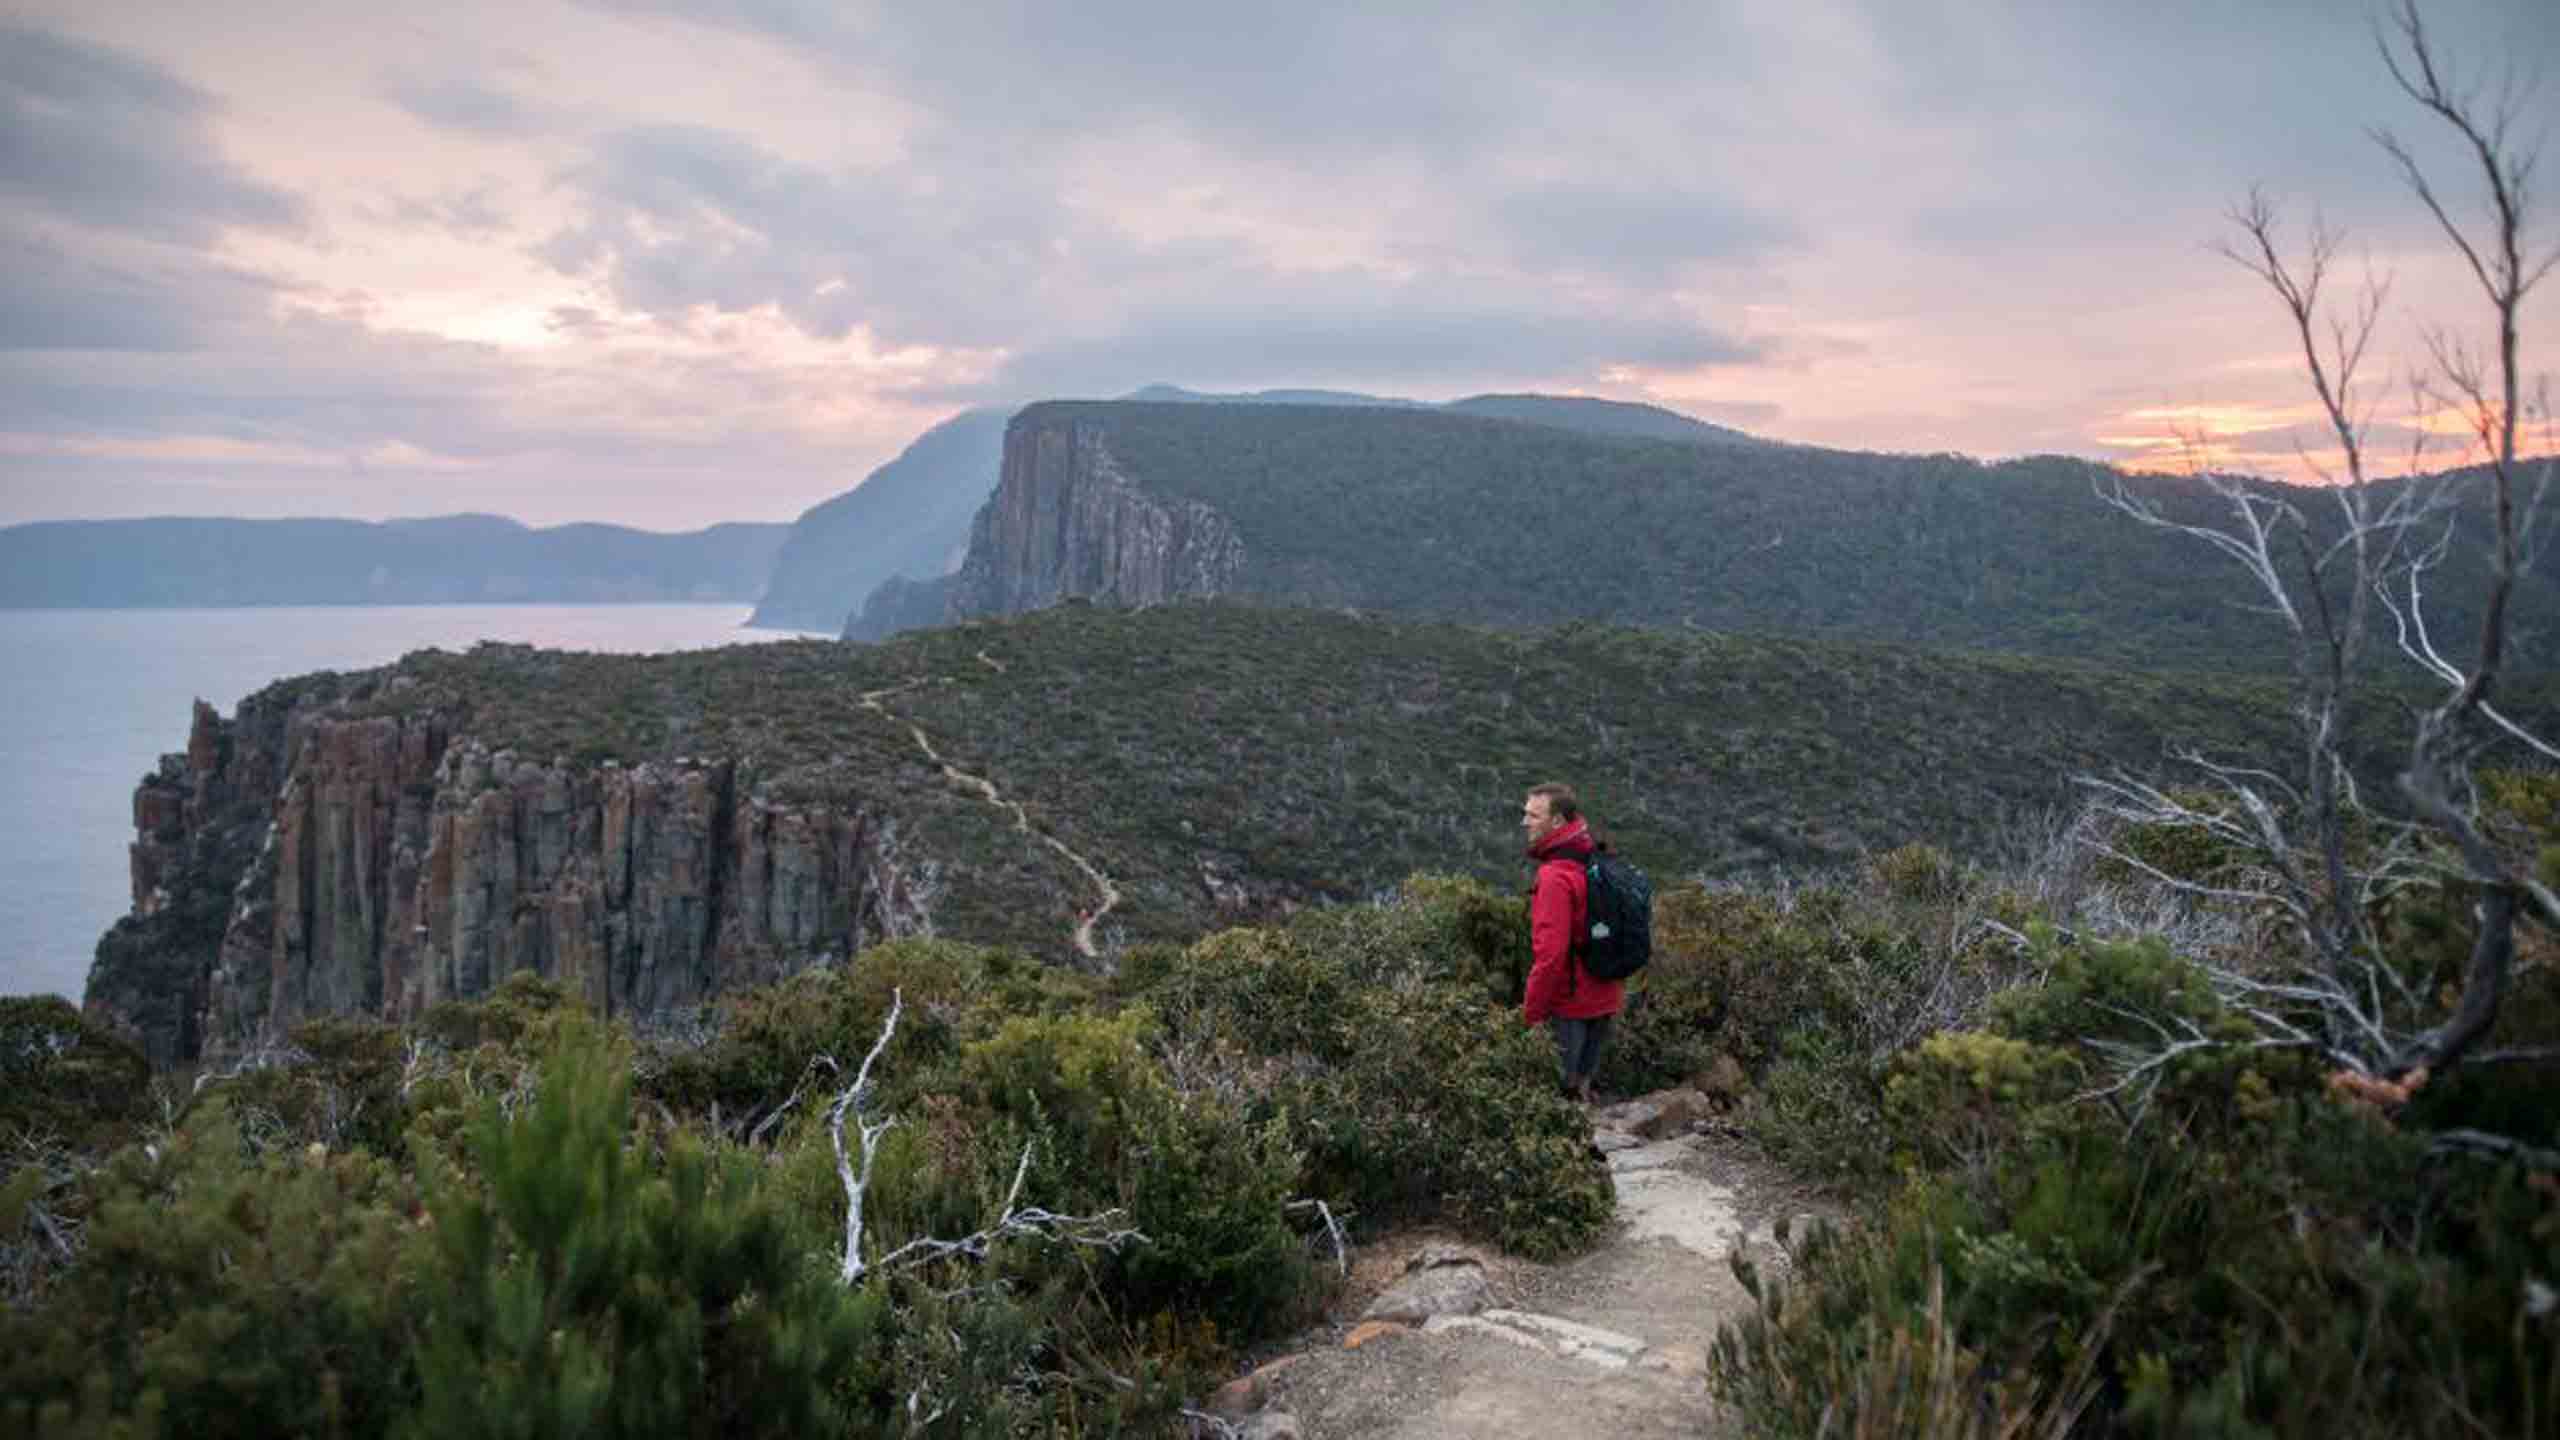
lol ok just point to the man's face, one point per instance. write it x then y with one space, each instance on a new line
1537 818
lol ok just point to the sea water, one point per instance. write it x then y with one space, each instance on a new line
95 697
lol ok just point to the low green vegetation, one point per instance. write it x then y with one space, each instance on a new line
2052 1241
1320 757
1429 514
508 1217
511 1218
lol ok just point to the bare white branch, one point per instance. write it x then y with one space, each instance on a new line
1013 1221
1332 1227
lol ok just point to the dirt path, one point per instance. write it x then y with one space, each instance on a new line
1613 1343
876 701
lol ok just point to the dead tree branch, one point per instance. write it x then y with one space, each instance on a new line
2319 852
1014 1220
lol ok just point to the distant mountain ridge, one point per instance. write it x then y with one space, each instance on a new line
1628 419
1433 513
909 520
452 559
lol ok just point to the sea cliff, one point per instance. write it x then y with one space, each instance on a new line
1067 522
300 860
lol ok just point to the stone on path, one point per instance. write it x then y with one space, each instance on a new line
1658 1198
1723 1079
1441 1280
1473 1325
1572 1338
1655 1116
1248 1393
1368 1330
1683 1362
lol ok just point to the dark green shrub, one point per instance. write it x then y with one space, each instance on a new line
224 1290
1816 1108
578 1289
1106 1132
523 1013
342 1088
1412 1100
66 1077
2252 1258
1917 873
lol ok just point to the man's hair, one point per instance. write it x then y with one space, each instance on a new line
1560 800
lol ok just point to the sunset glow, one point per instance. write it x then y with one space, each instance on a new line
679 261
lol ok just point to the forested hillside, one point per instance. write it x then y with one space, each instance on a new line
1430 514
1272 756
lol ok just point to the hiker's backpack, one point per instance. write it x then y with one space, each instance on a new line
1620 938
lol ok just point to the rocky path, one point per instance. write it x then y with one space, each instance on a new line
1462 1344
877 702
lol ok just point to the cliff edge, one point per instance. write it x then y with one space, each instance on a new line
1066 521
329 851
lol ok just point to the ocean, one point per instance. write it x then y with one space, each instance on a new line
97 696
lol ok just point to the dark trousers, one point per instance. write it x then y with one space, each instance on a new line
1578 1045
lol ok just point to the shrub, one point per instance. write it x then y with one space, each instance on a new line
66 1077
1917 873
576 1289
1415 1099
1961 1096
2250 1258
224 1290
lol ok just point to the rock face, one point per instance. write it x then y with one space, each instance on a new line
1066 522
302 859
909 518
899 603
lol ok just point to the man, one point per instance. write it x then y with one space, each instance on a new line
1576 1007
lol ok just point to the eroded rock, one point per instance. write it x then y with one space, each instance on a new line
1440 1279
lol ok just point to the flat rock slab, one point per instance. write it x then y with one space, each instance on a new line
1610 1343
1605 1348
1654 1155
1477 1325
1659 1197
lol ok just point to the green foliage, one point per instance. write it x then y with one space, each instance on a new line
225 1289
1935 550
65 1077
580 1290
1895 1372
1917 872
1960 1096
764 1040
1319 757
469 1226
2253 1258
1409 1099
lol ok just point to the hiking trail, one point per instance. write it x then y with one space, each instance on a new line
1614 1342
876 701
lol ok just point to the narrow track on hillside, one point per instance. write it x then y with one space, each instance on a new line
877 702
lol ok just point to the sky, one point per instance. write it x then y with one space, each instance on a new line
675 262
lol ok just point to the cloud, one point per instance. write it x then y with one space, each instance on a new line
472 212
1366 329
102 139
681 216
55 298
454 102
1926 224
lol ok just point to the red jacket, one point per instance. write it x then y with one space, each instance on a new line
1559 912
